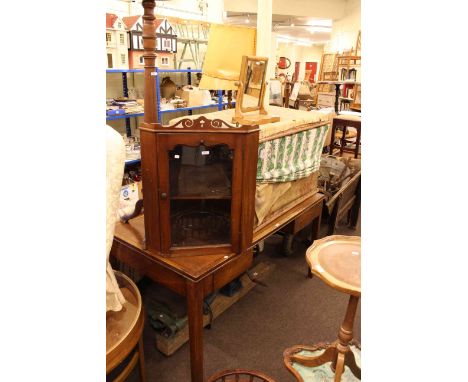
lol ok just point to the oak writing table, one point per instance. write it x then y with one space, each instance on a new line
192 276
197 276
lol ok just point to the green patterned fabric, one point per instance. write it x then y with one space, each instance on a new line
290 157
323 373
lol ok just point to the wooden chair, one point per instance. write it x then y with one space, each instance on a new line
336 260
346 202
344 121
124 331
240 375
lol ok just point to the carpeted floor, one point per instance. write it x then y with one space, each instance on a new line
254 332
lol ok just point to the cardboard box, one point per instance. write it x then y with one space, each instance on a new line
194 96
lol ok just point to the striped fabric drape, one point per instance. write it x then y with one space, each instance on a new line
290 157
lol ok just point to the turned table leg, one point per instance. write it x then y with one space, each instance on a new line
195 322
339 366
344 337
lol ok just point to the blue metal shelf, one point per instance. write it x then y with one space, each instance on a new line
113 117
220 104
133 161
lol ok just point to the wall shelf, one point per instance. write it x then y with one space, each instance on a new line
127 117
114 117
132 161
219 105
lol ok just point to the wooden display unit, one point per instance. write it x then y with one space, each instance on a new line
199 186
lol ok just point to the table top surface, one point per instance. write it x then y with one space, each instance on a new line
337 261
193 267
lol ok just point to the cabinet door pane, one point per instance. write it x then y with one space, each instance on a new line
200 180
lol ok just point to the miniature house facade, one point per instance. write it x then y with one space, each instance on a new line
134 26
166 42
116 42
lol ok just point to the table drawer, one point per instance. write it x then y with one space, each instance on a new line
304 219
229 272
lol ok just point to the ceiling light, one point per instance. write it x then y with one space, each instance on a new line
315 29
288 39
320 23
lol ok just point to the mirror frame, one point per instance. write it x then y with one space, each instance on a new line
242 83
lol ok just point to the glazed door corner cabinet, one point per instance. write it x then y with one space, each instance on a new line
199 181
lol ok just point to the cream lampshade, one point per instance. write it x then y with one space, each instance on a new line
226 46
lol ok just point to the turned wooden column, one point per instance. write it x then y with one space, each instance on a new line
345 335
149 45
148 139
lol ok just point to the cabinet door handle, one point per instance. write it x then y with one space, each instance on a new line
163 196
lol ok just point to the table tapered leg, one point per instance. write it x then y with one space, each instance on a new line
340 358
195 322
350 361
141 361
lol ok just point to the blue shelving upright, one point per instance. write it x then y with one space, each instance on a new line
128 127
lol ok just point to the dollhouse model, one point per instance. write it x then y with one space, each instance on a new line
116 42
166 42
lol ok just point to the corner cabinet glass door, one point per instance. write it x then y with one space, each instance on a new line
199 210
